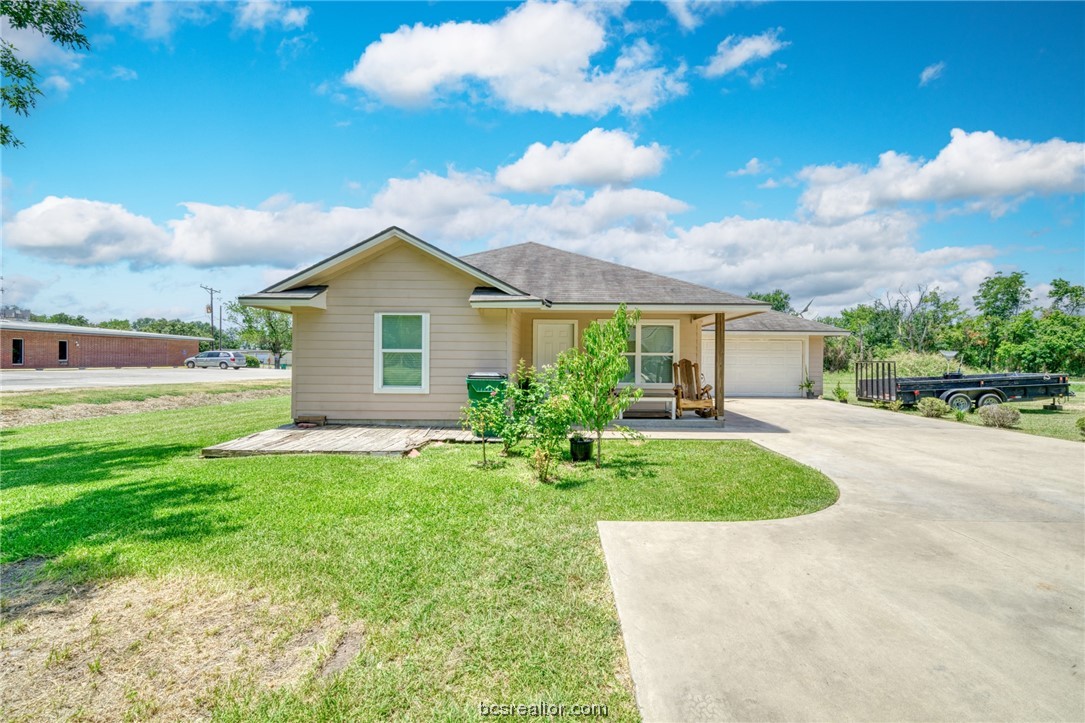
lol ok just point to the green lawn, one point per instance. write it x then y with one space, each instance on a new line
47 399
473 585
1034 418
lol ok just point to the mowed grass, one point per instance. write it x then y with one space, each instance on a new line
1034 418
48 399
474 586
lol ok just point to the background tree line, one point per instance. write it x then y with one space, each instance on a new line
1004 331
248 329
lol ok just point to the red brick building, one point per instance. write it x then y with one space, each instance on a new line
36 345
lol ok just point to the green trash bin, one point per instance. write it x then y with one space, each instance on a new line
482 385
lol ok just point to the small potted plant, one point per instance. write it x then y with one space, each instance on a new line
807 388
580 447
840 393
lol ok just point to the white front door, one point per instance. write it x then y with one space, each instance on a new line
551 339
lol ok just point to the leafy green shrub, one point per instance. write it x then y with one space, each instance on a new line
896 405
1081 425
483 418
915 364
840 393
999 415
523 395
932 407
960 415
552 421
253 362
591 375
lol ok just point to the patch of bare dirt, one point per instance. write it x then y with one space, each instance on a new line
152 649
26 417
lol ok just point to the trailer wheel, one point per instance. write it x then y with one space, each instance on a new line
989 400
960 403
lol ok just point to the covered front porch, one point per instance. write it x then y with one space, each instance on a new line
660 339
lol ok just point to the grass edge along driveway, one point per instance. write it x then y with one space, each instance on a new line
474 586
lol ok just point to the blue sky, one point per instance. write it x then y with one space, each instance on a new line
835 150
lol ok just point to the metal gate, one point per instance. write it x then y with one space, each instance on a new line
876 380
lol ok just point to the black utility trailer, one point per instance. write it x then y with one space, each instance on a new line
878 381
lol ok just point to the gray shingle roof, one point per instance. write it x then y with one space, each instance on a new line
563 277
776 321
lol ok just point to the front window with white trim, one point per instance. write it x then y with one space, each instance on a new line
650 352
401 361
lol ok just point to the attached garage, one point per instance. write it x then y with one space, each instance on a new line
770 354
759 367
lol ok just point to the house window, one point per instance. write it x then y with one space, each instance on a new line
650 352
62 352
16 352
401 361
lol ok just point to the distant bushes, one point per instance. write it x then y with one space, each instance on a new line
932 407
999 415
914 364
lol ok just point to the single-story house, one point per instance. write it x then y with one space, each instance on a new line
40 345
388 329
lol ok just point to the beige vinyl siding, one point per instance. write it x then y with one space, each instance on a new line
334 348
514 339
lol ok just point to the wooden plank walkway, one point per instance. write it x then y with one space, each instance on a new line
337 439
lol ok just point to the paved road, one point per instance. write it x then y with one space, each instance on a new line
22 381
948 582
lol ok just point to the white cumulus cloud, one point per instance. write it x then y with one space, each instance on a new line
689 14
20 289
536 57
122 73
37 49
735 51
989 171
598 158
262 14
931 72
839 252
153 20
80 232
754 167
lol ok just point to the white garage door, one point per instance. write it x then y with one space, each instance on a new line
757 367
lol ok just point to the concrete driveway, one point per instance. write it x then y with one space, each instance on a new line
19 380
948 582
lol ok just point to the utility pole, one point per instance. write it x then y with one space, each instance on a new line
211 311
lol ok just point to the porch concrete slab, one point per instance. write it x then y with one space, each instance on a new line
947 583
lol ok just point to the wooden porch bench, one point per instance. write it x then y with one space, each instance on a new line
657 395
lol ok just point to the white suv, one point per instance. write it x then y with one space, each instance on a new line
221 359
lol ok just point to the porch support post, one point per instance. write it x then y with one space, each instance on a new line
720 349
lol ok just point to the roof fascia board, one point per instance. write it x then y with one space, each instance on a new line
676 308
373 242
500 304
320 301
766 332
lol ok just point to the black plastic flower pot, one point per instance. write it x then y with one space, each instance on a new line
580 449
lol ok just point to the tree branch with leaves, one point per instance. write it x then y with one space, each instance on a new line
59 20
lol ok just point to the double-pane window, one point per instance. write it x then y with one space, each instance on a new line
402 352
650 352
